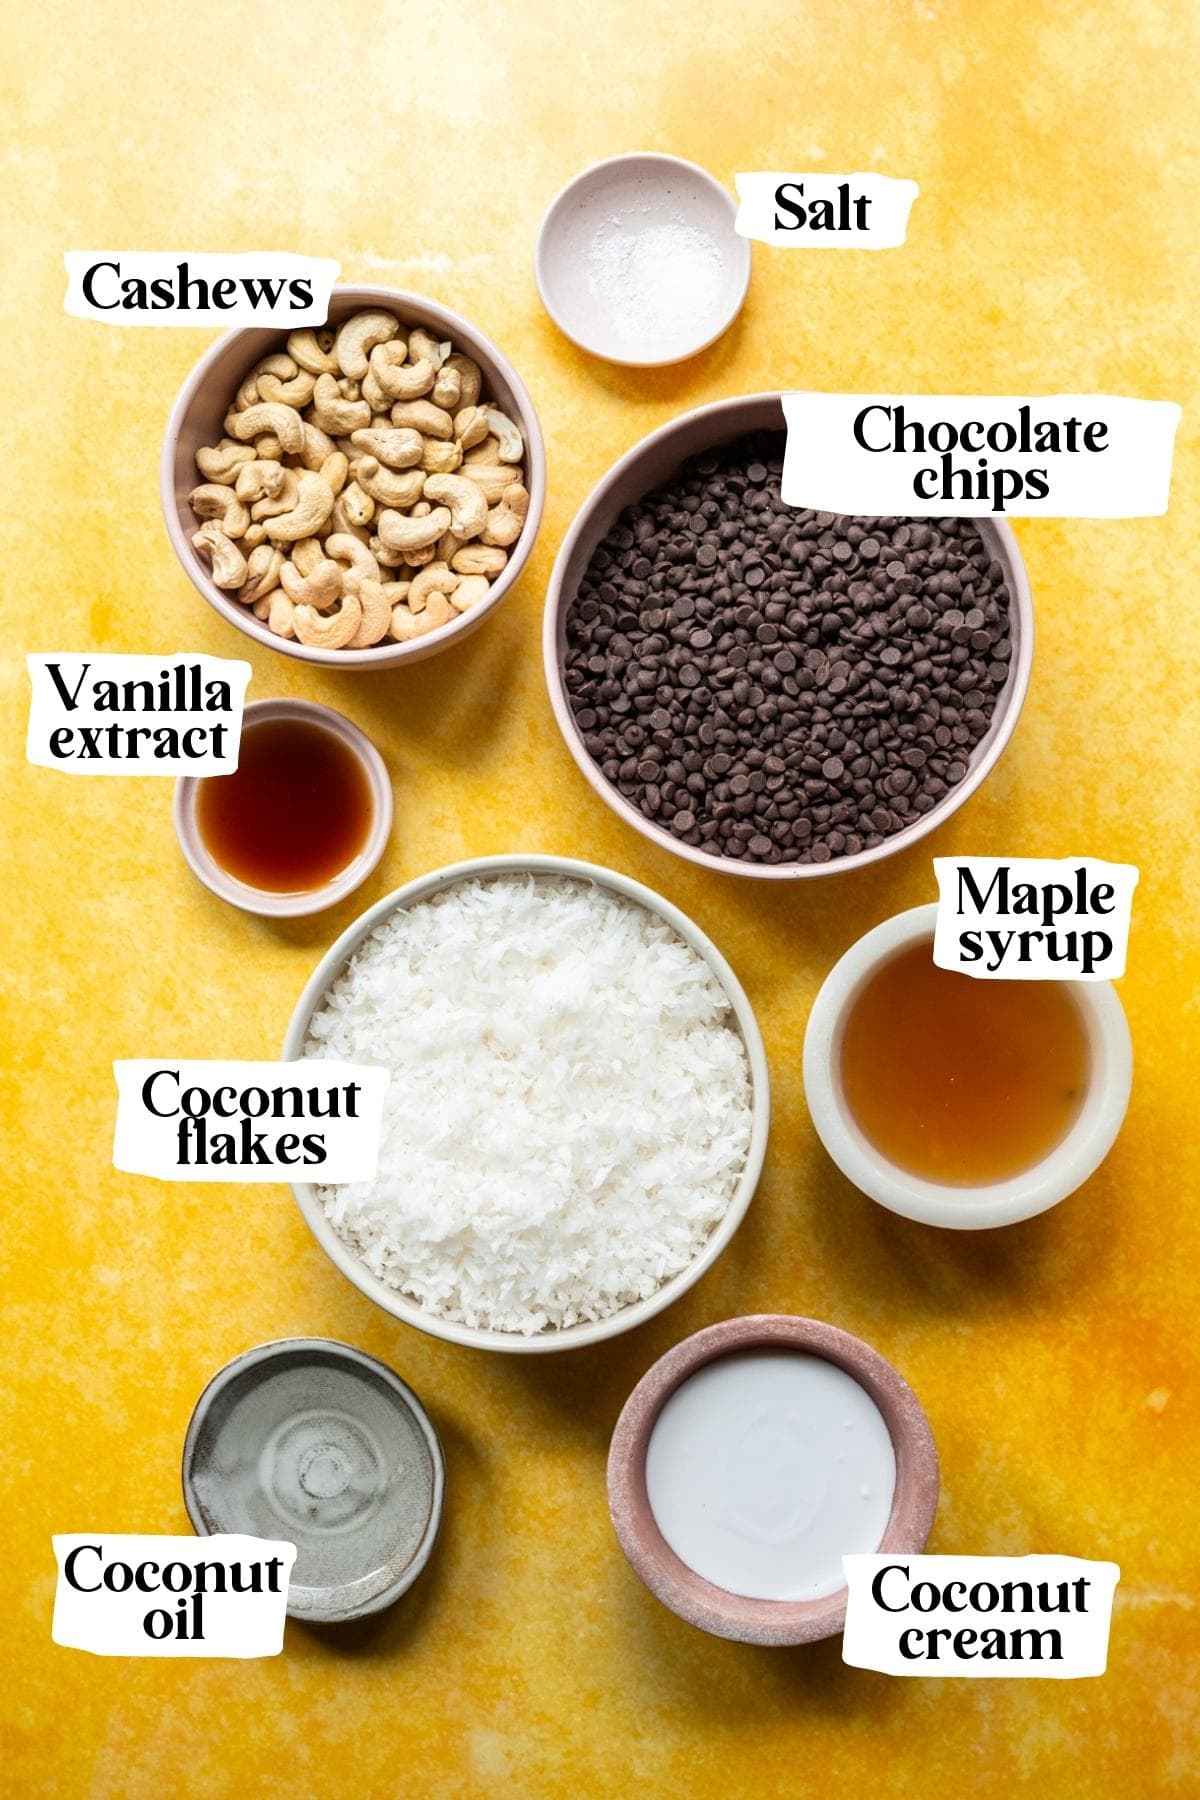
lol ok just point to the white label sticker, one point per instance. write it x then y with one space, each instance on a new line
310 1120
171 1596
824 212
1033 918
135 715
978 1616
184 287
1065 456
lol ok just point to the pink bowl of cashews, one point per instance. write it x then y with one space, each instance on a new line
358 495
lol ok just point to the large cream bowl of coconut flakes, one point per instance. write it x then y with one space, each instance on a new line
577 1109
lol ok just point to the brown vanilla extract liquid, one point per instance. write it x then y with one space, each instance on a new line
295 813
961 1081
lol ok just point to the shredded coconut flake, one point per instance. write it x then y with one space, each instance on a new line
570 1103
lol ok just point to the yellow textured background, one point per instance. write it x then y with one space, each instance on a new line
1051 248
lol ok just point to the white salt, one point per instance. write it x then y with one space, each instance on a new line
570 1104
655 281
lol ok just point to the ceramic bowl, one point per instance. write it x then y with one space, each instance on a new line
311 1442
574 1336
1021 1196
702 1603
630 213
197 419
644 467
290 906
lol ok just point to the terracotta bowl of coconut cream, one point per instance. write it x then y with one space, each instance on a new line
756 1454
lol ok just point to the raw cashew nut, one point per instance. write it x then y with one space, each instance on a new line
468 508
281 615
407 624
272 505
512 444
404 532
212 501
423 416
320 589
259 481
438 458
506 521
388 486
359 336
424 347
314 503
313 351
447 547
282 422
470 377
228 563
317 449
221 462
268 447
470 591
357 503
296 392
340 521
447 389
492 479
307 553
470 426
388 559
359 561
328 631
335 471
254 534
398 449
262 573
397 379
435 578
375 397
333 413
276 368
376 615
480 559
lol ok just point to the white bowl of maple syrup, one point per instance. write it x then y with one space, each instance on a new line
302 821
956 1101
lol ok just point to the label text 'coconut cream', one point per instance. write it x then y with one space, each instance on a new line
765 1468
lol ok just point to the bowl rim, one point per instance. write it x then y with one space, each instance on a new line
558 601
701 1602
1065 1167
572 1337
261 901
550 223
377 656
335 1351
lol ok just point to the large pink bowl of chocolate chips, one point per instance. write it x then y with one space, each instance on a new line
770 690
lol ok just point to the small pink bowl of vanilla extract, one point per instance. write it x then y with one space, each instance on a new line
302 821
961 1102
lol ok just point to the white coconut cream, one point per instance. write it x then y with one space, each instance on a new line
765 1468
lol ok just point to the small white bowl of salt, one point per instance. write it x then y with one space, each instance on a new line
637 260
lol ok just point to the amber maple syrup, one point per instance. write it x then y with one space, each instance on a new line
962 1081
293 815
